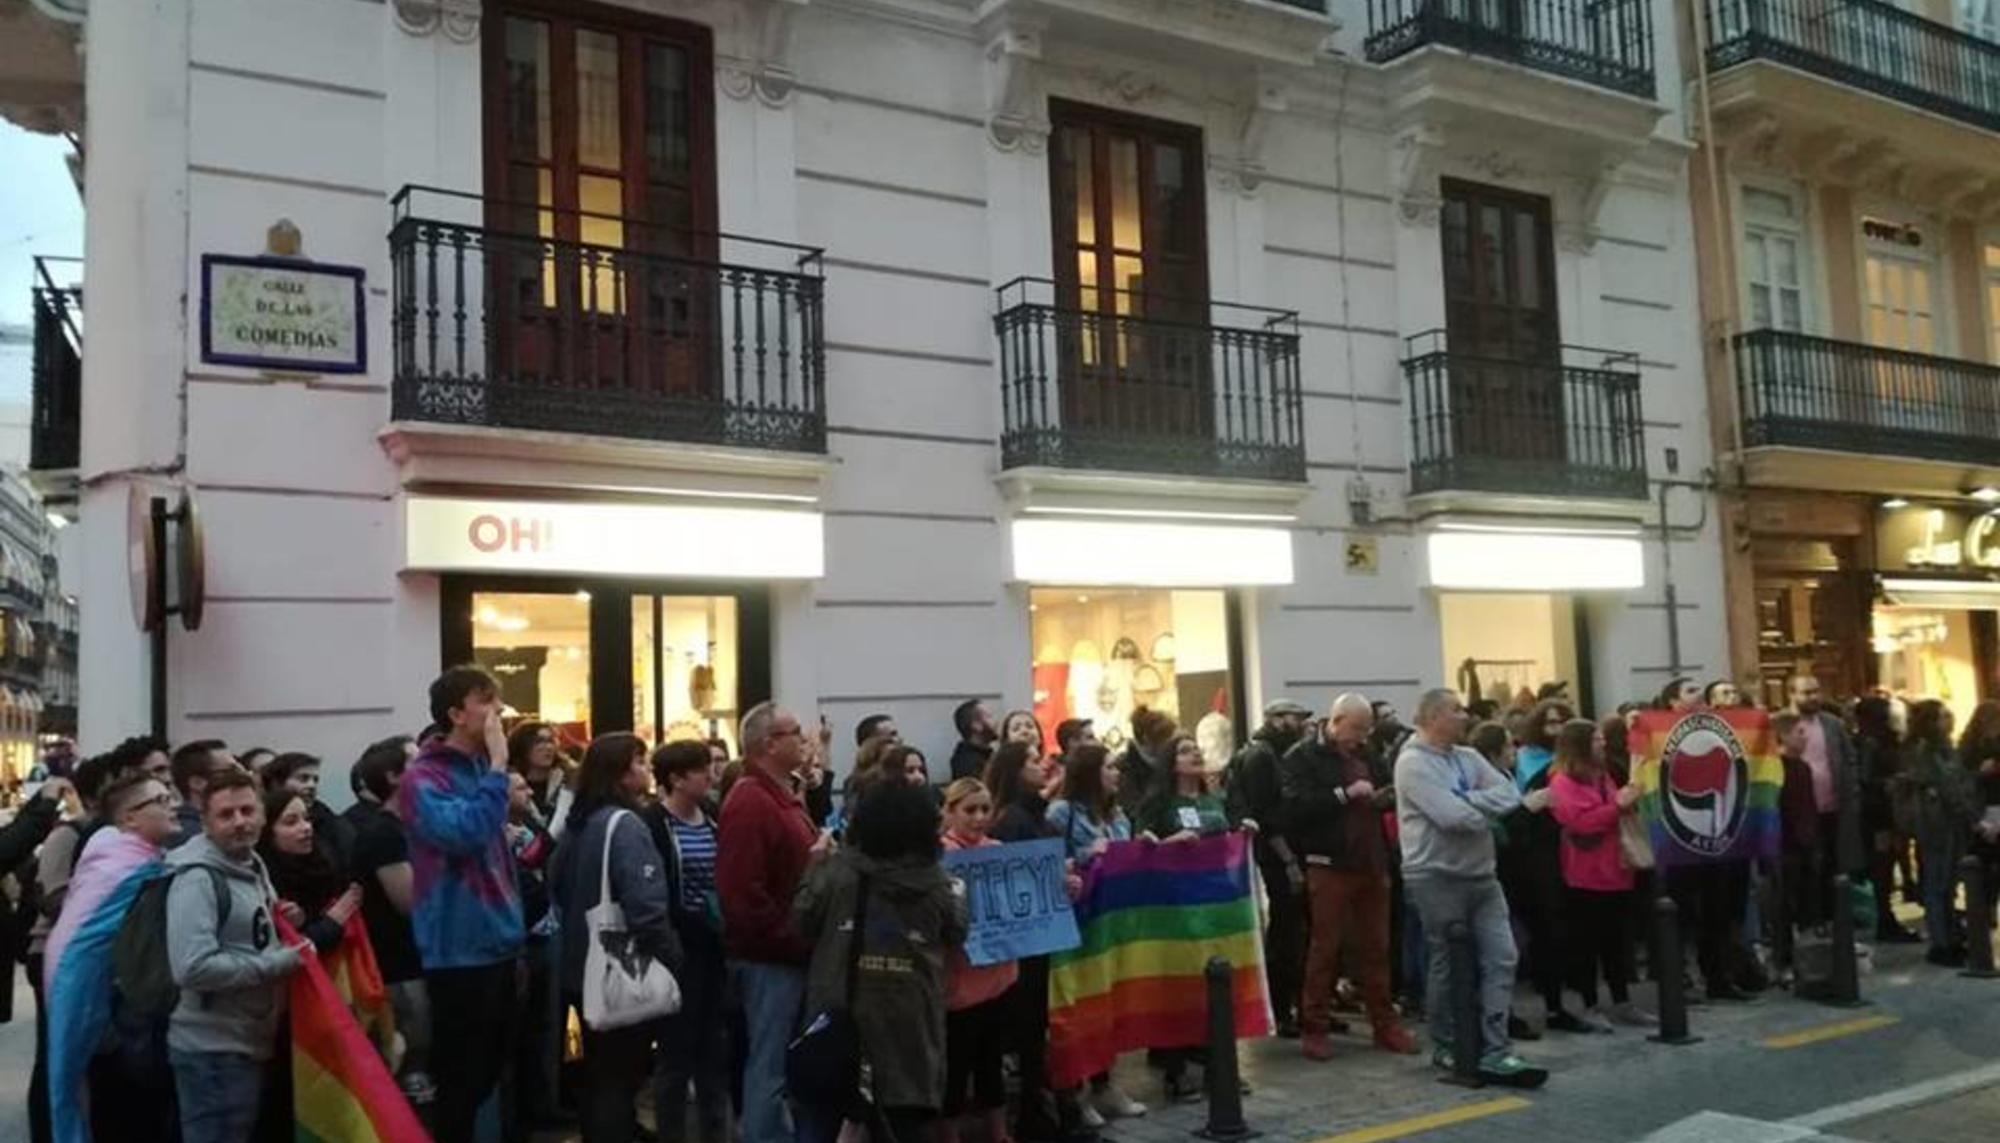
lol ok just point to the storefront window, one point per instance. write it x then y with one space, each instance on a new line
538 646
1927 653
684 664
593 656
1498 646
1103 653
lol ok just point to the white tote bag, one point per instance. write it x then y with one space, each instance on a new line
621 985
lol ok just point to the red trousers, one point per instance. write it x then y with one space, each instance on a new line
1350 913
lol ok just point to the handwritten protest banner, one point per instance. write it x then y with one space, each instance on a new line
1017 899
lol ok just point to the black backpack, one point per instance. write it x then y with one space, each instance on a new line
142 973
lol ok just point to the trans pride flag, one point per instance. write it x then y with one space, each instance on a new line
341 1090
1151 916
1709 782
114 866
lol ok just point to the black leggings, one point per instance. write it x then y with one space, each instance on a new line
975 1040
616 1064
1600 938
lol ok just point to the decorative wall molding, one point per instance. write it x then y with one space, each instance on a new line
458 20
1243 172
767 73
1419 157
1015 120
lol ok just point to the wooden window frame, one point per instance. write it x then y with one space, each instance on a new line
1062 211
699 41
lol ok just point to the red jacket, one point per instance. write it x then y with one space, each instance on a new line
765 843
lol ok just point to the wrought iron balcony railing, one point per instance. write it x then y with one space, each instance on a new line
1155 385
1566 426
637 332
1874 46
1608 43
56 416
1814 392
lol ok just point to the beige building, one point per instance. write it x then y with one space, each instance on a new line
1848 220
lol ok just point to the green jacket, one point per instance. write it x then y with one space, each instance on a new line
914 915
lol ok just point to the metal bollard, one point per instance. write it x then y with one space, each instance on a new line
1225 1093
1468 1039
1978 921
1843 974
1671 975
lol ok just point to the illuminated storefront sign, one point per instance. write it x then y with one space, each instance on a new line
462 535
1523 560
1146 554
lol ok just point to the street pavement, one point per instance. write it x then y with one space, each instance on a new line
1915 1064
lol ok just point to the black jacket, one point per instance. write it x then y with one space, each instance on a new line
30 827
1253 787
1140 780
1317 809
696 930
968 759
1024 820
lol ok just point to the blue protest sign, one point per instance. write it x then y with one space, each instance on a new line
1017 900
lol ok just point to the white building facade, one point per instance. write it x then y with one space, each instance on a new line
876 354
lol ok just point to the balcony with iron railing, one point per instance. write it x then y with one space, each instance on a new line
56 413
636 332
1568 425
1157 386
1799 391
1866 44
1605 43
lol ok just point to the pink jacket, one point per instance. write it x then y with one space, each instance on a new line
967 983
1589 815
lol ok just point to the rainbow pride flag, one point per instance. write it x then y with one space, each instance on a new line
1151 916
1709 782
342 1092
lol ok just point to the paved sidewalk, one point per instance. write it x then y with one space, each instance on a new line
1759 1066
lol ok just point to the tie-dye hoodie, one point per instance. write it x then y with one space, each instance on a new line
467 911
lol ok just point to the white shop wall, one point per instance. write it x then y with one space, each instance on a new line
880 155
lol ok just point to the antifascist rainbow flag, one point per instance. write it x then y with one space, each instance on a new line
1151 916
1709 782
342 1092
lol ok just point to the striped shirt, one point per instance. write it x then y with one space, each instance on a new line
696 842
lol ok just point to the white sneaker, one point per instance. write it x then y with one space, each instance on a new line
1633 1016
1595 1021
1089 1115
1116 1104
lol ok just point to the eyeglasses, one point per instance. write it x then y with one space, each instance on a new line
162 800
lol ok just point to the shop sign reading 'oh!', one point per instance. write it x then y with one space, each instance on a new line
283 314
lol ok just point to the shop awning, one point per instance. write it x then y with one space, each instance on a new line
1133 553
1958 594
1470 558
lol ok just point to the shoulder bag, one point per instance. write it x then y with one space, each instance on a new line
823 1066
622 986
1635 840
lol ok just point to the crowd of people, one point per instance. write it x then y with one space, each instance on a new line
475 850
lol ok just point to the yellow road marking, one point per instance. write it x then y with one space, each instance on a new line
1403 1128
1827 1032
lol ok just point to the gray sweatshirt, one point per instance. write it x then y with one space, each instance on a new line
1446 804
232 982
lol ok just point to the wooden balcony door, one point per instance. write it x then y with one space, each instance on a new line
1501 324
600 166
1131 256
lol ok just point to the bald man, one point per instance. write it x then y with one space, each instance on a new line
1334 795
